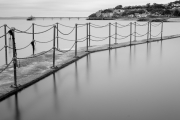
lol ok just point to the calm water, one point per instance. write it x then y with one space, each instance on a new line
23 39
132 83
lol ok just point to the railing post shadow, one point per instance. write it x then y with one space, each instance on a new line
54 47
5 38
161 30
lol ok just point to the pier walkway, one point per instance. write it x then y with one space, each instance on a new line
36 67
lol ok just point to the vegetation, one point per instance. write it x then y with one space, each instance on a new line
171 9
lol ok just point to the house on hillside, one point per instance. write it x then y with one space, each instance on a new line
118 11
131 16
107 15
176 5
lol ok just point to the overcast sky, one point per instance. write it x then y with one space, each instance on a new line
63 8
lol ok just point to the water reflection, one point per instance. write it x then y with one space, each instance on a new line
17 111
56 105
115 54
134 53
109 63
76 78
88 66
148 51
9 103
161 50
130 57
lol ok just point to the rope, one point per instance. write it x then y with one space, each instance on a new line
32 33
67 50
100 40
79 40
83 40
2 36
65 39
121 38
28 28
123 25
142 24
37 55
44 42
1 26
66 33
155 25
2 48
65 25
140 35
98 26
23 47
155 35
45 25
99 37
122 35
20 48
71 40
81 25
6 67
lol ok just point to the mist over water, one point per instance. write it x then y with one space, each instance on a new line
135 83
132 83
23 39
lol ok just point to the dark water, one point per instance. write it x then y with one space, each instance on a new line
131 83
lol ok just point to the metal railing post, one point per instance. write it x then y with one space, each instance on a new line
116 33
130 32
87 38
161 30
134 31
14 57
54 45
109 35
57 37
148 32
5 38
33 31
12 33
89 34
76 41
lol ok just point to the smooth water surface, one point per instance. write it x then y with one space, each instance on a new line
23 39
131 83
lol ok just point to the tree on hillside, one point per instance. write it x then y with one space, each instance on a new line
107 11
176 12
93 15
148 5
167 12
119 7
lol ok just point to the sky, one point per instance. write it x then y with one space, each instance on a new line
63 8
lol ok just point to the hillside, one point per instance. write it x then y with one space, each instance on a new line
155 10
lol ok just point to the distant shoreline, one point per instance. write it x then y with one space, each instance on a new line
157 19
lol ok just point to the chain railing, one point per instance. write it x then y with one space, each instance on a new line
88 38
